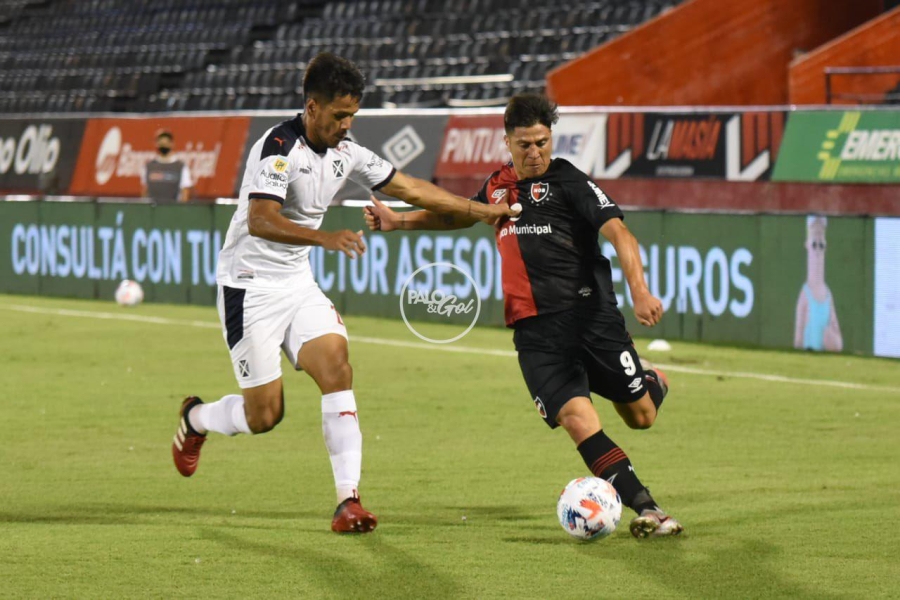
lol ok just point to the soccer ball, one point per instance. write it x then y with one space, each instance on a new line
589 508
129 293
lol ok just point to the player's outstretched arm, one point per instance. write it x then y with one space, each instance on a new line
266 221
381 218
647 308
424 194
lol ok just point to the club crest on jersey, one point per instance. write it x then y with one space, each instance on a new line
338 167
539 405
539 191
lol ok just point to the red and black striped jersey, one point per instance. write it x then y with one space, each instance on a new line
550 252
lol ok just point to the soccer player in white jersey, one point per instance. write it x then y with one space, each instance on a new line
267 298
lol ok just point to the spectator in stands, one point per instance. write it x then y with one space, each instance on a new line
817 326
166 180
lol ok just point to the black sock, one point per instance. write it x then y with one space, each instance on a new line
655 387
607 461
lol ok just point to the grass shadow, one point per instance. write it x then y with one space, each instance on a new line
387 572
119 514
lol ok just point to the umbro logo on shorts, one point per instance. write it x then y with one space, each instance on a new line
338 167
244 368
635 385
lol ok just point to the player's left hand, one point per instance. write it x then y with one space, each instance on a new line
648 309
379 217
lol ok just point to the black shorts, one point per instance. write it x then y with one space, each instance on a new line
575 352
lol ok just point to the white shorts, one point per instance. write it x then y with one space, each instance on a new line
257 322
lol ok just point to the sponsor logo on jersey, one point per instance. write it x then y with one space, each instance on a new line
539 191
280 165
584 292
525 230
338 167
244 368
601 197
276 177
375 161
539 405
498 195
275 181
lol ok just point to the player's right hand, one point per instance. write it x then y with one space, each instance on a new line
379 217
346 241
648 309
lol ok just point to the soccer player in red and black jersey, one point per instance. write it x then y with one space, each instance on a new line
559 299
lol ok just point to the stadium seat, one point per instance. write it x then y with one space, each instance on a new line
217 54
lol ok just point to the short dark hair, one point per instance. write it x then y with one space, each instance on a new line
164 133
328 77
525 110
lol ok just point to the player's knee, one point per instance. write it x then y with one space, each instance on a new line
579 426
642 420
336 378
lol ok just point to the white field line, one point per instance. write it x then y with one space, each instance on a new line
63 312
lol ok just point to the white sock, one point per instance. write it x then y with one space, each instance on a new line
343 439
225 416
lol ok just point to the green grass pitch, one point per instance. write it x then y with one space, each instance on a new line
786 489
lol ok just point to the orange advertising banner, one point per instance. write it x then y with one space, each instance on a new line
114 152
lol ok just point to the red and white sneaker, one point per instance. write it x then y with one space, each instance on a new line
187 443
351 517
654 523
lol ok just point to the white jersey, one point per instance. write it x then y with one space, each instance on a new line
282 166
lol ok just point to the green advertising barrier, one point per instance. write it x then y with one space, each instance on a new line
739 278
84 250
372 284
766 280
853 147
